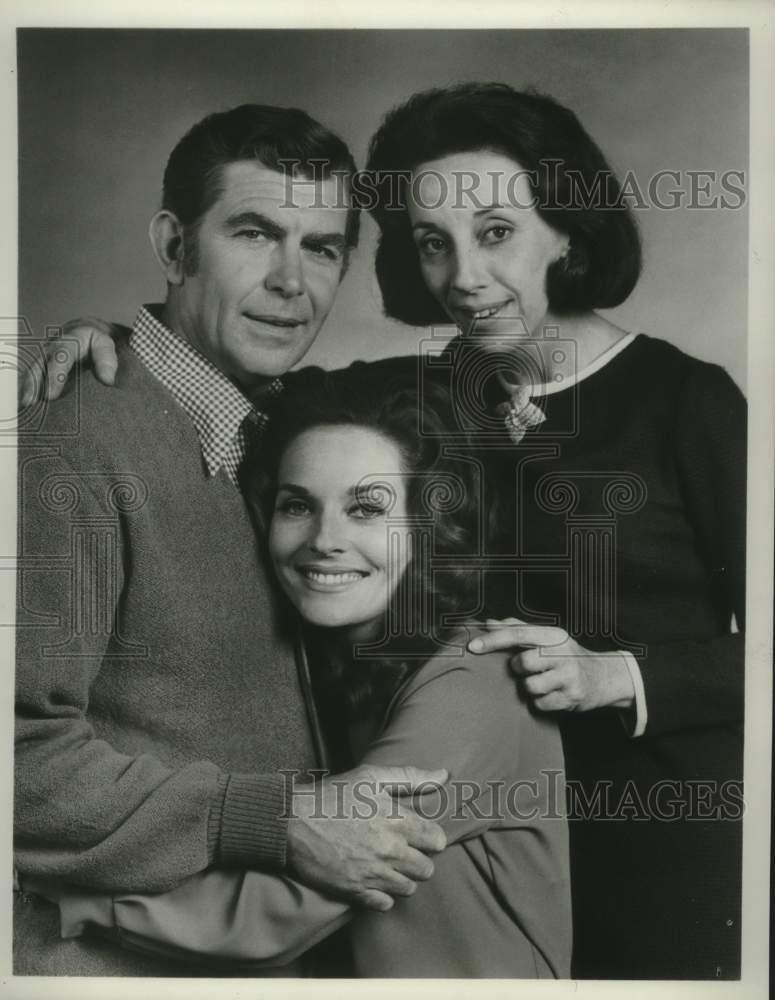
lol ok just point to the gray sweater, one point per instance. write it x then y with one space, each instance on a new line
155 690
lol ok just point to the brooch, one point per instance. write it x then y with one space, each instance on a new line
519 414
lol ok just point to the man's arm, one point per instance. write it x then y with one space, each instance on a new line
93 341
257 917
89 814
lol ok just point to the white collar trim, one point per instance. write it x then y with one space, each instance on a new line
550 388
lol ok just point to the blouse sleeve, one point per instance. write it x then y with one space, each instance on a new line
690 684
505 766
249 918
462 714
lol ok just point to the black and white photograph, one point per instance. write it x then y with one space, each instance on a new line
388 578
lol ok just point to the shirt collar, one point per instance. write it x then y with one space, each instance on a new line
215 406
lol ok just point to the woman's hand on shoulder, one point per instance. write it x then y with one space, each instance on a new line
556 673
87 340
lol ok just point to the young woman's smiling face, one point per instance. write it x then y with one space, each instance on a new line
338 536
484 250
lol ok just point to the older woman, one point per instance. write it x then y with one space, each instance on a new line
618 465
621 467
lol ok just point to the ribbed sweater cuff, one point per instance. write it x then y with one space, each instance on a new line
248 823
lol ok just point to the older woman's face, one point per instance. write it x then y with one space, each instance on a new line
483 248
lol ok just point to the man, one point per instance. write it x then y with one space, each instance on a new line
157 692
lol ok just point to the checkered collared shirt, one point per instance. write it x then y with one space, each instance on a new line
215 405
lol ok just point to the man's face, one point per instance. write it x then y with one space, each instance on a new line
269 260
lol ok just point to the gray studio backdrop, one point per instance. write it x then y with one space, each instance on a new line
99 111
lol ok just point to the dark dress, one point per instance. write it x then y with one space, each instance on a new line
630 520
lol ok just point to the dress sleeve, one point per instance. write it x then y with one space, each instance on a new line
84 811
689 684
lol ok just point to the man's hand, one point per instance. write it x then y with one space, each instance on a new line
82 340
557 674
351 837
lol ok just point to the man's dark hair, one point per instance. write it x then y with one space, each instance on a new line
575 192
276 137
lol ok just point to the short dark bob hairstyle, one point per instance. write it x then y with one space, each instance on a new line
575 189
439 489
275 137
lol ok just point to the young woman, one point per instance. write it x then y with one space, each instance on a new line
618 463
370 523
